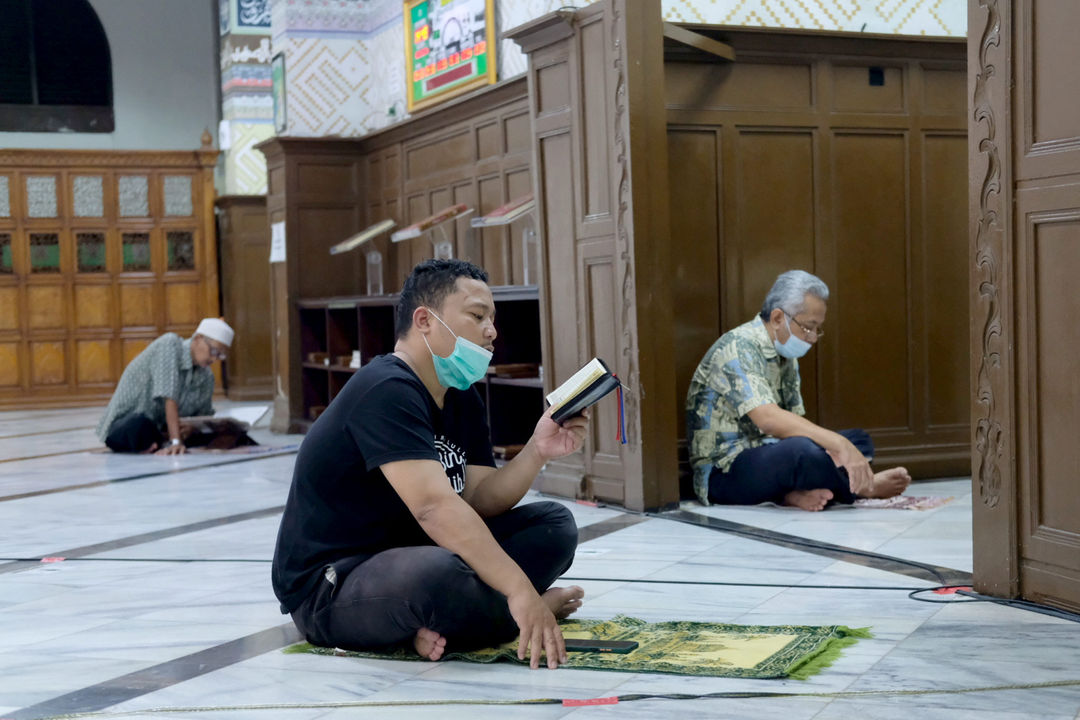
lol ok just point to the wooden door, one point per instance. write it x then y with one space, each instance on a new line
1024 201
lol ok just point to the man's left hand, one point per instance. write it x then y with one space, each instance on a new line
553 440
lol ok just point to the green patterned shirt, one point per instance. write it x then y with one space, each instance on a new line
741 371
163 370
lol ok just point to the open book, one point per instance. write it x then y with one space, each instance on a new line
583 389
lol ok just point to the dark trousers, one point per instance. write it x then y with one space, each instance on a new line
387 598
133 433
769 472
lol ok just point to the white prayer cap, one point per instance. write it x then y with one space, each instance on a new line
216 329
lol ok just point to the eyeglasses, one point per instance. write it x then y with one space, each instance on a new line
220 354
811 333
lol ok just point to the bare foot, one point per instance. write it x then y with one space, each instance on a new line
429 644
563 601
890 483
811 500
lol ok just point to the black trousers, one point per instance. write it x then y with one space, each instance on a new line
133 433
387 598
769 472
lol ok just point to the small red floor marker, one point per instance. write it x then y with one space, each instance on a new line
52 559
951 590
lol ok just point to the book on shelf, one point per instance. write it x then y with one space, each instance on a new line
584 388
505 214
422 226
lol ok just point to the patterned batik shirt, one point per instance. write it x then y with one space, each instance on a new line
163 370
741 371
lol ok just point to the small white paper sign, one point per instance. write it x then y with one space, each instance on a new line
277 242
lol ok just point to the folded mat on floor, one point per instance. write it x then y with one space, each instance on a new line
678 647
904 502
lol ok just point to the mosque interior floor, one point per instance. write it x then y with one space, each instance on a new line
163 601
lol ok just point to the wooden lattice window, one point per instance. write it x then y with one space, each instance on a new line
181 249
7 262
44 253
91 252
136 252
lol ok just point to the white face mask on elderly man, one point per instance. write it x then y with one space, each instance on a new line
793 347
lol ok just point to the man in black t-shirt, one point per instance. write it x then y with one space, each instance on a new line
398 527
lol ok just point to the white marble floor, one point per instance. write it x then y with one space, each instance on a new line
164 603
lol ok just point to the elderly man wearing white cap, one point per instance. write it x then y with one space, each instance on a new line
167 381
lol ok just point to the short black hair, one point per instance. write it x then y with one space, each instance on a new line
428 284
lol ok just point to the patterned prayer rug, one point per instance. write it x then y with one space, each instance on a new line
681 648
904 502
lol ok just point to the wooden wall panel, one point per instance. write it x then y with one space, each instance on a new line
132 347
596 127
137 306
947 388
47 363
9 308
244 242
694 208
46 307
870 217
71 304
93 306
1057 400
856 181
10 377
93 362
182 305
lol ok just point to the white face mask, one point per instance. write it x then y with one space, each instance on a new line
793 347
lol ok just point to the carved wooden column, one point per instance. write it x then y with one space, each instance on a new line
596 86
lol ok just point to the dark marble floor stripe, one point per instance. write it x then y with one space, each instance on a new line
900 566
126 687
604 527
230 460
45 455
132 540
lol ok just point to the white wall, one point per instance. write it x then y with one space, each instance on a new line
165 78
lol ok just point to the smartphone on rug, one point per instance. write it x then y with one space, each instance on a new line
605 646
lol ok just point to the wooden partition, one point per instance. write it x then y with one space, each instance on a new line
596 88
473 150
244 247
100 252
843 155
1024 202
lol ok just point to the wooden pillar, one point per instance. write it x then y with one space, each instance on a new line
596 87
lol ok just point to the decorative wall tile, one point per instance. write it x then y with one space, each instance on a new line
177 190
133 196
224 16
90 252
245 167
89 197
180 249
44 253
136 251
41 196
902 17
5 197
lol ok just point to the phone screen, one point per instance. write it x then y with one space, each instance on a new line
592 645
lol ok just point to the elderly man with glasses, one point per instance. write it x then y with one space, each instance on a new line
748 440
169 380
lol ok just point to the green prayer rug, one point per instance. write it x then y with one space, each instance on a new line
677 647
